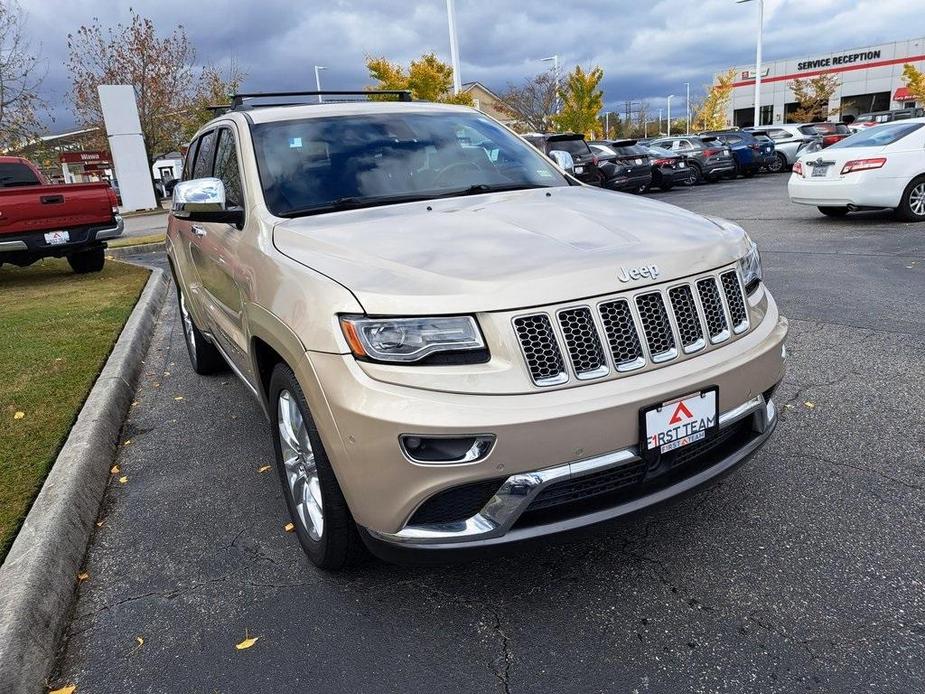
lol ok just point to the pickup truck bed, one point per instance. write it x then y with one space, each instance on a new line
38 220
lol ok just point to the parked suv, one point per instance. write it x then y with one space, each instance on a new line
624 164
585 167
789 142
458 349
708 158
750 154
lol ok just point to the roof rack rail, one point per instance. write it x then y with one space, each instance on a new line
239 101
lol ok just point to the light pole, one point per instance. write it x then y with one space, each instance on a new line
669 114
318 69
757 116
687 106
660 121
454 45
555 69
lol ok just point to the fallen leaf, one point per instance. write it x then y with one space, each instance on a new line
127 442
289 527
100 524
157 385
789 407
141 641
83 577
179 397
19 415
123 479
809 404
166 373
67 689
135 404
115 470
247 642
264 468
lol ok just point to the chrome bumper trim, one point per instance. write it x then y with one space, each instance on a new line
13 246
113 232
497 517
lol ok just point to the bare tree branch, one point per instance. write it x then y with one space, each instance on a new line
21 74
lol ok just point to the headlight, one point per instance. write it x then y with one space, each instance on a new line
750 268
441 340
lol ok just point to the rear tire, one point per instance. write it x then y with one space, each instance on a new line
696 175
779 164
87 261
912 205
204 357
834 211
323 523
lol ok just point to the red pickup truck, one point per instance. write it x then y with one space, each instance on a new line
38 220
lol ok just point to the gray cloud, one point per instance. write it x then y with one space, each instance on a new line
647 49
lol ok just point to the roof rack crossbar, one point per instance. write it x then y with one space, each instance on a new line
238 100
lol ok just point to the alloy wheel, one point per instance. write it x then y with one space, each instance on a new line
299 464
917 199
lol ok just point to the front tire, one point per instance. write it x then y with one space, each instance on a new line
87 261
323 523
912 205
204 357
834 211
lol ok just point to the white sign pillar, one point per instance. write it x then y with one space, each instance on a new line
123 129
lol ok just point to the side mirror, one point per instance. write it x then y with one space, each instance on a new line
203 200
563 159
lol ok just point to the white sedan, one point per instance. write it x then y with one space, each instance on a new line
879 167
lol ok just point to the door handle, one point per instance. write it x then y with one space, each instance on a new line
198 231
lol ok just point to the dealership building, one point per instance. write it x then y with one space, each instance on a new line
870 79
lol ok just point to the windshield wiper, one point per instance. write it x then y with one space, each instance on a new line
480 188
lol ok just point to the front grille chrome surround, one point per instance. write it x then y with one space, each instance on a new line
643 328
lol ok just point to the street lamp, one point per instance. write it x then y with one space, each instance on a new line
555 69
669 114
757 116
687 106
454 45
318 69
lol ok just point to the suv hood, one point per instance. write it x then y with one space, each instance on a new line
504 251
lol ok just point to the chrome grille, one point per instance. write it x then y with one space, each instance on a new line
686 318
621 335
541 351
649 327
583 344
656 327
734 300
713 309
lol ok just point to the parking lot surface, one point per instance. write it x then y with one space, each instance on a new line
802 571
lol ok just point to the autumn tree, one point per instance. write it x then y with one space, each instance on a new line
428 78
914 79
214 89
582 101
169 89
532 104
812 95
710 113
20 77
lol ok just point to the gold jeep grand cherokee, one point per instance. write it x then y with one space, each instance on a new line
456 343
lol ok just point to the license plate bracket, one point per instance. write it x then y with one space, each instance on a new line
679 422
56 238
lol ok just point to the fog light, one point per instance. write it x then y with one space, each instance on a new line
446 449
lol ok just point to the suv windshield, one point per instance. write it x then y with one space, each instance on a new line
878 136
344 162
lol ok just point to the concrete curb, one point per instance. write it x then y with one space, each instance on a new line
39 576
123 251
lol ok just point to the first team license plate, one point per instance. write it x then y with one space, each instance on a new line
681 422
56 238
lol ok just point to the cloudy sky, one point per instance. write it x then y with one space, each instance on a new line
648 48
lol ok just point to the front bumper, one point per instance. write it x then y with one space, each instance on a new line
496 522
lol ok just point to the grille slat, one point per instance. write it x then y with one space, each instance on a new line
621 335
656 326
583 343
540 349
734 300
686 318
713 309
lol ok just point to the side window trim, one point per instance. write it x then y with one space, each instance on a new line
190 161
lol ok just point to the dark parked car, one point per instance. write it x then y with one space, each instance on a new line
708 158
624 164
669 169
750 154
586 169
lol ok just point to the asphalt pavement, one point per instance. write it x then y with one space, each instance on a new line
803 571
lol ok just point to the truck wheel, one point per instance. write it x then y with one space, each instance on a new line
87 261
834 211
912 205
204 357
323 523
